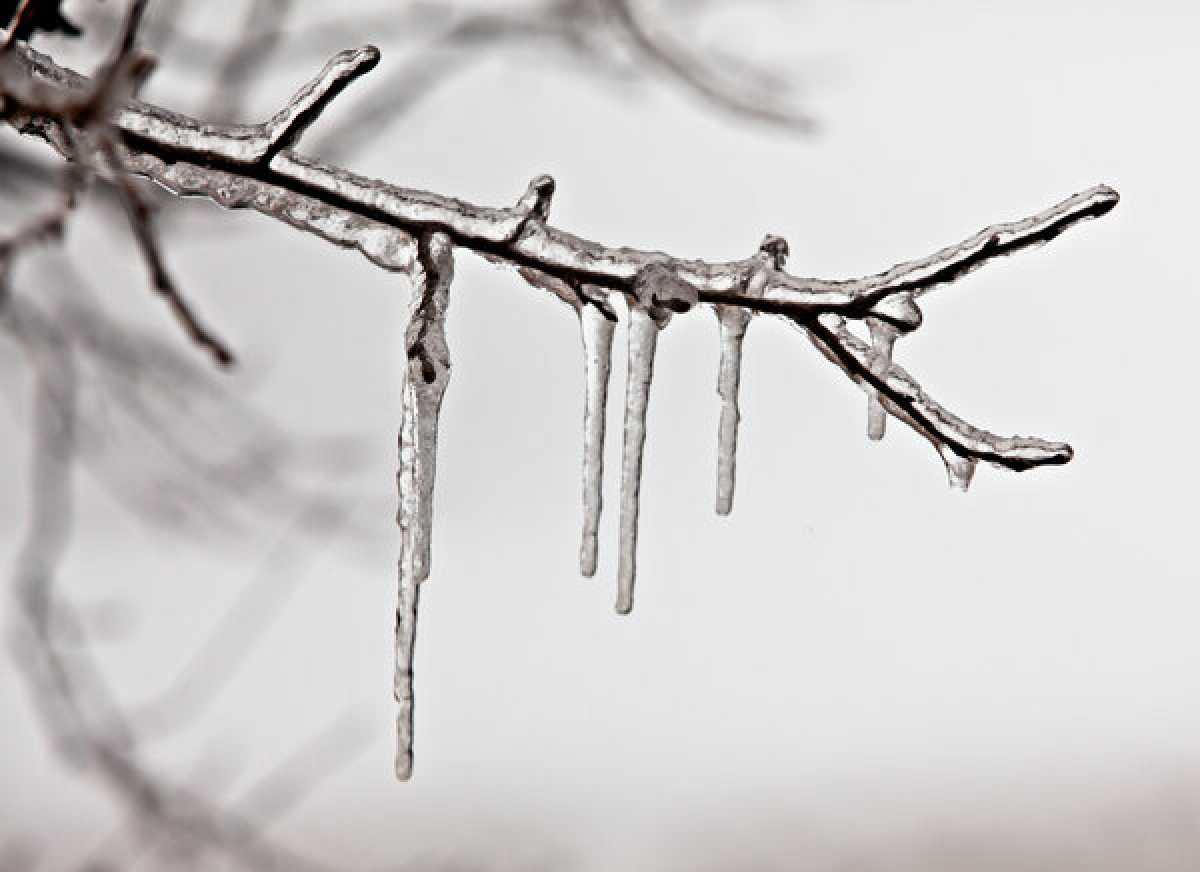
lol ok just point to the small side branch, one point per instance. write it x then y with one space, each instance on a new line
904 398
921 276
286 127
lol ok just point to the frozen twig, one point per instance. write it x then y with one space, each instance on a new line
905 399
257 166
232 165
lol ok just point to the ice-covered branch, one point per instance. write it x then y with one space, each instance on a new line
286 127
900 395
415 232
236 166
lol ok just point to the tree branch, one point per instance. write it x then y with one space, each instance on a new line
256 166
192 157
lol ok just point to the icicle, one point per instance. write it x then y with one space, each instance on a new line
426 376
596 328
643 341
734 321
409 591
959 469
883 341
657 292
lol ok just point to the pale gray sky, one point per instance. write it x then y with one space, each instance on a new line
860 665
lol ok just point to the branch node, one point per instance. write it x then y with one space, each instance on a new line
661 292
900 310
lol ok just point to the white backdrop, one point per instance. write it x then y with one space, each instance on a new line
860 669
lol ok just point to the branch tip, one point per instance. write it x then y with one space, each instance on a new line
306 106
535 202
776 248
661 291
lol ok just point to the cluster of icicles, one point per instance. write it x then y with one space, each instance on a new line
657 293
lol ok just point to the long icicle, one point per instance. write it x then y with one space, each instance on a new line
643 341
733 322
427 373
596 328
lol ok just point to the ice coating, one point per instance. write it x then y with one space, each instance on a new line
243 149
252 143
643 341
955 261
284 129
384 245
426 374
904 398
596 329
883 341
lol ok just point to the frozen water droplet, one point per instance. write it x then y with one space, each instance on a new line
643 341
597 332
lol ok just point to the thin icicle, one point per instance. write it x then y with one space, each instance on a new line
596 329
960 470
426 375
409 592
883 341
733 323
643 341
657 292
